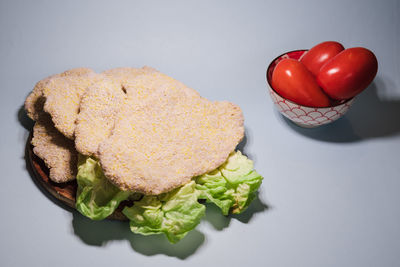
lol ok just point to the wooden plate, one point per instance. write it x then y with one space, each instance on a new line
64 192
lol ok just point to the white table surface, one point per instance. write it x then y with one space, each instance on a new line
330 197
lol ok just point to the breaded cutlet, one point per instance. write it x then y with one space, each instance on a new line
57 152
166 134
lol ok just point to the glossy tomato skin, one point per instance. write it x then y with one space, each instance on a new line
348 73
293 81
317 56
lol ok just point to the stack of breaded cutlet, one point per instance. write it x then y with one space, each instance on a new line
150 132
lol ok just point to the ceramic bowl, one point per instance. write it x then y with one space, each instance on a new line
304 116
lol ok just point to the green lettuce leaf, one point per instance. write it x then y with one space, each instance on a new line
232 186
174 213
97 197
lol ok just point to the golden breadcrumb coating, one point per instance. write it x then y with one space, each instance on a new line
165 134
99 105
123 75
35 100
54 149
98 108
150 132
63 96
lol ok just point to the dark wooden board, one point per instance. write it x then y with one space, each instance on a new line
65 192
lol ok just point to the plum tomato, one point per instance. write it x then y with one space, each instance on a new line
348 73
317 56
293 81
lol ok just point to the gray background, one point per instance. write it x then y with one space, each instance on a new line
330 195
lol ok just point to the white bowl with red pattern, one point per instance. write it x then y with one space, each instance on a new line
304 116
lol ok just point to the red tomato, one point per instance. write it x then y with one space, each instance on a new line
293 81
317 56
348 73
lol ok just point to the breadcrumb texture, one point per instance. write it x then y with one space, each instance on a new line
125 74
99 106
151 132
54 149
35 100
62 99
165 134
98 109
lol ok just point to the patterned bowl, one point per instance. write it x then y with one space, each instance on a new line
304 116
